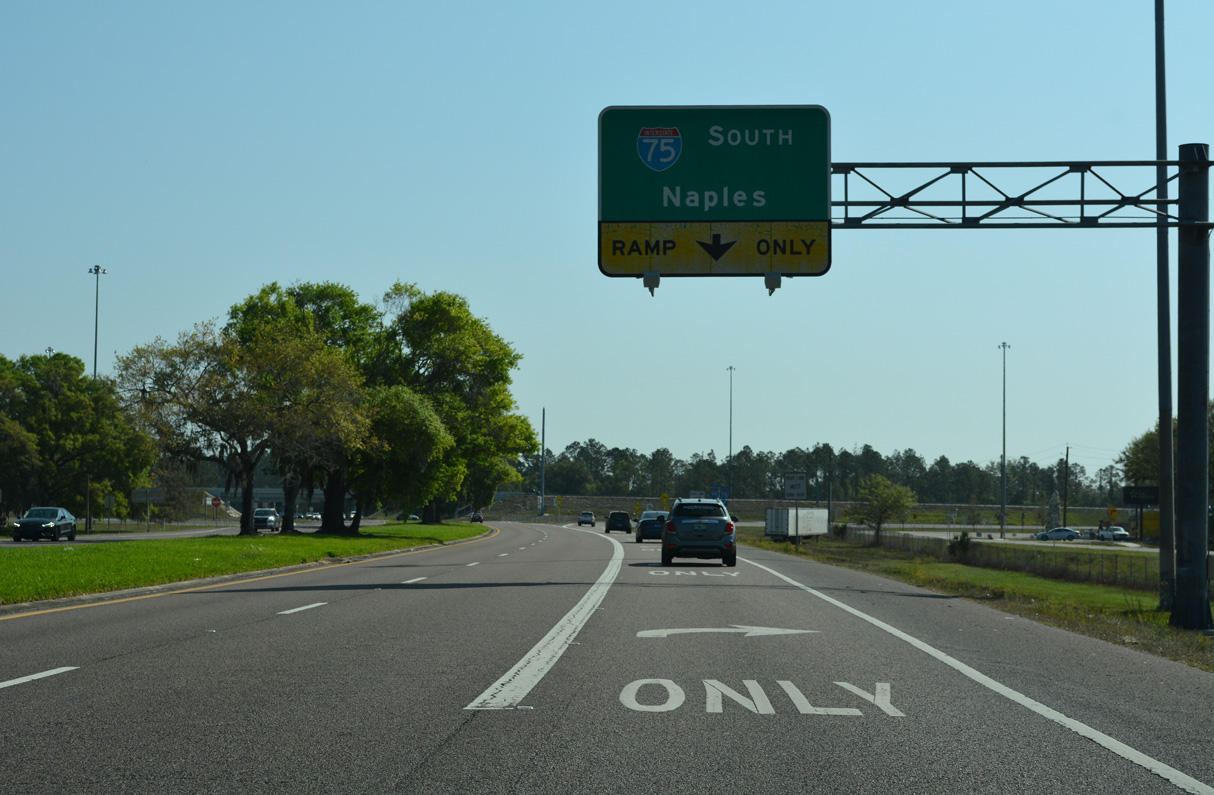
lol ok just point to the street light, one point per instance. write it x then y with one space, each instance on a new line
730 368
96 271
1003 513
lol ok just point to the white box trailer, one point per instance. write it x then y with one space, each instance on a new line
794 522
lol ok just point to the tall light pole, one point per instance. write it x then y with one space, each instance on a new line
96 272
730 368
1163 310
1003 512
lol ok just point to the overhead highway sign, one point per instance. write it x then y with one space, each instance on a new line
714 191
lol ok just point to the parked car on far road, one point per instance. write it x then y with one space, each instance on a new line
52 523
1058 534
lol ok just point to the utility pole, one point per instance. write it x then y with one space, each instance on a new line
1066 484
543 457
1003 511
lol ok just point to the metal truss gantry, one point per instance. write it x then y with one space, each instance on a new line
1000 195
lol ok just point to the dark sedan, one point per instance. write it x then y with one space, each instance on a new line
52 523
650 529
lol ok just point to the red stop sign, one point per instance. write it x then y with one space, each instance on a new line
216 502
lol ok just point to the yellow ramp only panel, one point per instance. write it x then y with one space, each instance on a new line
724 248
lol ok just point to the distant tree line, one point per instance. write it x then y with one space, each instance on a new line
592 468
402 404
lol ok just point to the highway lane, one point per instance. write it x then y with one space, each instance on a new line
370 677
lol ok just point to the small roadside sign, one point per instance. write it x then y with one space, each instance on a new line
147 495
796 486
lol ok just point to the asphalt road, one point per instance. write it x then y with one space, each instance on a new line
545 659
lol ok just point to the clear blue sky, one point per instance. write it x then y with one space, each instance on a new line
198 151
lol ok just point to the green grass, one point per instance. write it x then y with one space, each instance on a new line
47 571
1116 614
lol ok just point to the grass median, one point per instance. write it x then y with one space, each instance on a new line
1118 615
40 571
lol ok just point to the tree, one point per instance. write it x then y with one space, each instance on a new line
882 502
19 466
939 481
212 397
1053 514
436 346
62 431
701 474
400 466
346 325
661 470
1140 458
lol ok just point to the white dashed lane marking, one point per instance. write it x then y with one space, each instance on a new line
32 677
300 609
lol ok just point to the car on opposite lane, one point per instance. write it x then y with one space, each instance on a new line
265 518
45 522
1058 534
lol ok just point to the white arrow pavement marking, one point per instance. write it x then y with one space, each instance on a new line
747 632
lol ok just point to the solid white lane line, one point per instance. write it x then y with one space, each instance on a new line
1171 774
305 607
415 579
32 677
515 684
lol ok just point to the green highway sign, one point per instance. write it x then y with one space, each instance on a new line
714 191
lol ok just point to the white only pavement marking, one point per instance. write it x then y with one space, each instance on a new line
32 677
475 564
515 684
415 579
1171 774
299 609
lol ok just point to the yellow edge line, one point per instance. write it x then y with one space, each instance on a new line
252 579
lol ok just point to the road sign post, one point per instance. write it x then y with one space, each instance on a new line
714 191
